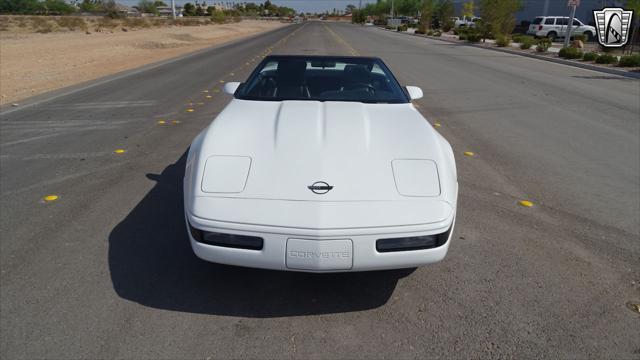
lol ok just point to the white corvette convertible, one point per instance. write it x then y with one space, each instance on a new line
320 164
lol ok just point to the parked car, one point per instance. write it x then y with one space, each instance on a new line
466 22
553 27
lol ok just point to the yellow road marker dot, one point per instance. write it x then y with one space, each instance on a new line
119 151
205 91
525 203
49 198
436 124
231 74
221 81
216 90
208 96
174 122
189 110
469 153
634 306
200 103
161 122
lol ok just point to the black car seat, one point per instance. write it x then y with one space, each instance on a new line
290 79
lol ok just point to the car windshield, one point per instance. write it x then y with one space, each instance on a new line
537 21
318 78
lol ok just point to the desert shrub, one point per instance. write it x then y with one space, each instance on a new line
45 28
137 22
630 61
218 17
570 53
437 33
543 45
606 59
526 42
473 37
517 38
106 22
72 23
447 26
402 28
503 40
590 56
389 27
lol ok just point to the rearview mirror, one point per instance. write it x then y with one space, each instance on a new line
415 92
231 87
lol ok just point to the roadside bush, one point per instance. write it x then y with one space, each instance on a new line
589 56
517 38
503 40
437 33
107 23
606 59
447 26
402 28
526 42
218 17
543 45
462 36
629 61
473 37
570 53
72 23
136 22
389 27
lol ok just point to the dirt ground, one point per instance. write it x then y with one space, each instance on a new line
34 63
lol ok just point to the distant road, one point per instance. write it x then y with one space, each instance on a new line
106 270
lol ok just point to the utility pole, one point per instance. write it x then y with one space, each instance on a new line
392 8
173 9
574 4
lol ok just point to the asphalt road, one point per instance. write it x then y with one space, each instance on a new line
105 271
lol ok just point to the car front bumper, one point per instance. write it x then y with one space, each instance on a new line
309 250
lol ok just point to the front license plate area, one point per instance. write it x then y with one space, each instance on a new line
319 255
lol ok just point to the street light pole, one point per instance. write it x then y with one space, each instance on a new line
173 9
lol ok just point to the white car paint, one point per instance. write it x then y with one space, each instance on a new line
392 174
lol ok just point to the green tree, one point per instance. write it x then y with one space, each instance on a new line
635 6
445 11
499 15
468 9
350 8
159 3
426 15
188 9
19 6
147 6
57 7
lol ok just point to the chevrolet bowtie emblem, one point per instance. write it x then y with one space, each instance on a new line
320 187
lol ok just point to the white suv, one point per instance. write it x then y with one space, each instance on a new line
465 22
553 27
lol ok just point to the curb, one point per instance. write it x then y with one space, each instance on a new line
628 74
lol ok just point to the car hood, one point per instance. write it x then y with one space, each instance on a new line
276 150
